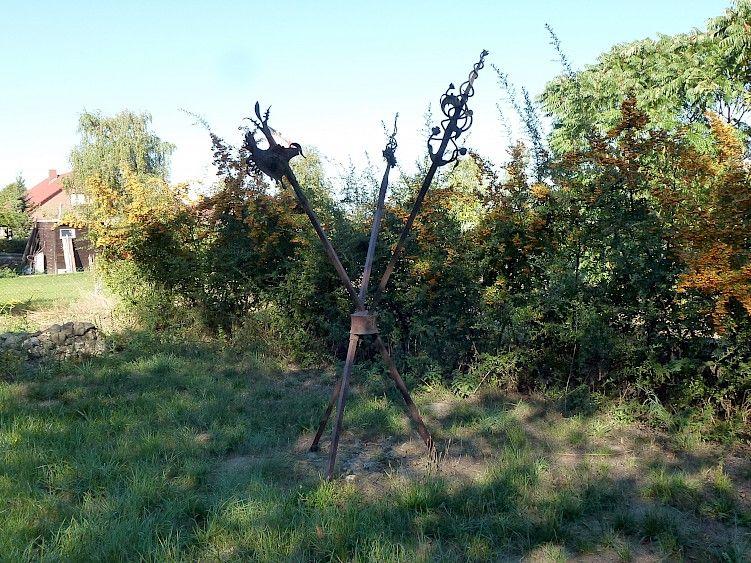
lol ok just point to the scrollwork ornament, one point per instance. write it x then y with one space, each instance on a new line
442 145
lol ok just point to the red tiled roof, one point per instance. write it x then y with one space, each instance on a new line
47 188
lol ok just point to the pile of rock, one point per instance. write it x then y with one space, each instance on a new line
67 341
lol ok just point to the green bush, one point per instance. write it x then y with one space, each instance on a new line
513 293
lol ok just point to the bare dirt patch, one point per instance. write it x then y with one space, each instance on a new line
623 451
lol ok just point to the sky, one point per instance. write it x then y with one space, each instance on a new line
332 71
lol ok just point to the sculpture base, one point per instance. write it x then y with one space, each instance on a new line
362 322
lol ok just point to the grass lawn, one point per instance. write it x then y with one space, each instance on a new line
43 290
34 302
194 451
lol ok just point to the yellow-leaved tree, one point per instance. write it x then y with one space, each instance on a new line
710 206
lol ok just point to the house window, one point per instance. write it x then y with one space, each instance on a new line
77 199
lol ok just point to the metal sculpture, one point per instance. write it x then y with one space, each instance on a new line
442 148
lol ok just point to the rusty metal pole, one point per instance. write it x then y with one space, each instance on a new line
349 363
326 414
411 407
330 252
408 224
458 120
389 155
274 162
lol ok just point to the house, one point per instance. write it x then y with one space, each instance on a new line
55 247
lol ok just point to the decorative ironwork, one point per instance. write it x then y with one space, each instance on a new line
274 162
389 153
458 118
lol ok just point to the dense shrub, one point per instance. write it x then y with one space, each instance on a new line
595 277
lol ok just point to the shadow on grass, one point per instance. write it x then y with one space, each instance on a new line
193 451
23 307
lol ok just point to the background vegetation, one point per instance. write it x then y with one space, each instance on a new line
14 216
612 253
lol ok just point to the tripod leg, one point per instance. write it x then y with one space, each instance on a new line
326 415
354 340
411 407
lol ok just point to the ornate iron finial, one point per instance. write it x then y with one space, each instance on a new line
389 153
458 119
274 161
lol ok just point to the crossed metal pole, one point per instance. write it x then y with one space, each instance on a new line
442 149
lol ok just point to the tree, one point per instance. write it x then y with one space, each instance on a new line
113 147
14 208
674 79
709 205
138 222
733 32
121 165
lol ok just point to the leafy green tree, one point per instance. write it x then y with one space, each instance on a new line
139 223
675 79
111 147
14 208
732 30
121 165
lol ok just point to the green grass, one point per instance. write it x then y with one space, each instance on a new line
43 291
29 303
194 451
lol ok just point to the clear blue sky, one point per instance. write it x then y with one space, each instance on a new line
332 70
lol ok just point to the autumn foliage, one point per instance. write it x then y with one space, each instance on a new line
710 208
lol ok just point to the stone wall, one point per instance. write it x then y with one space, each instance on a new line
68 341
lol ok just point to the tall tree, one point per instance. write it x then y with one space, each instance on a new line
675 79
121 165
133 214
113 147
733 32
